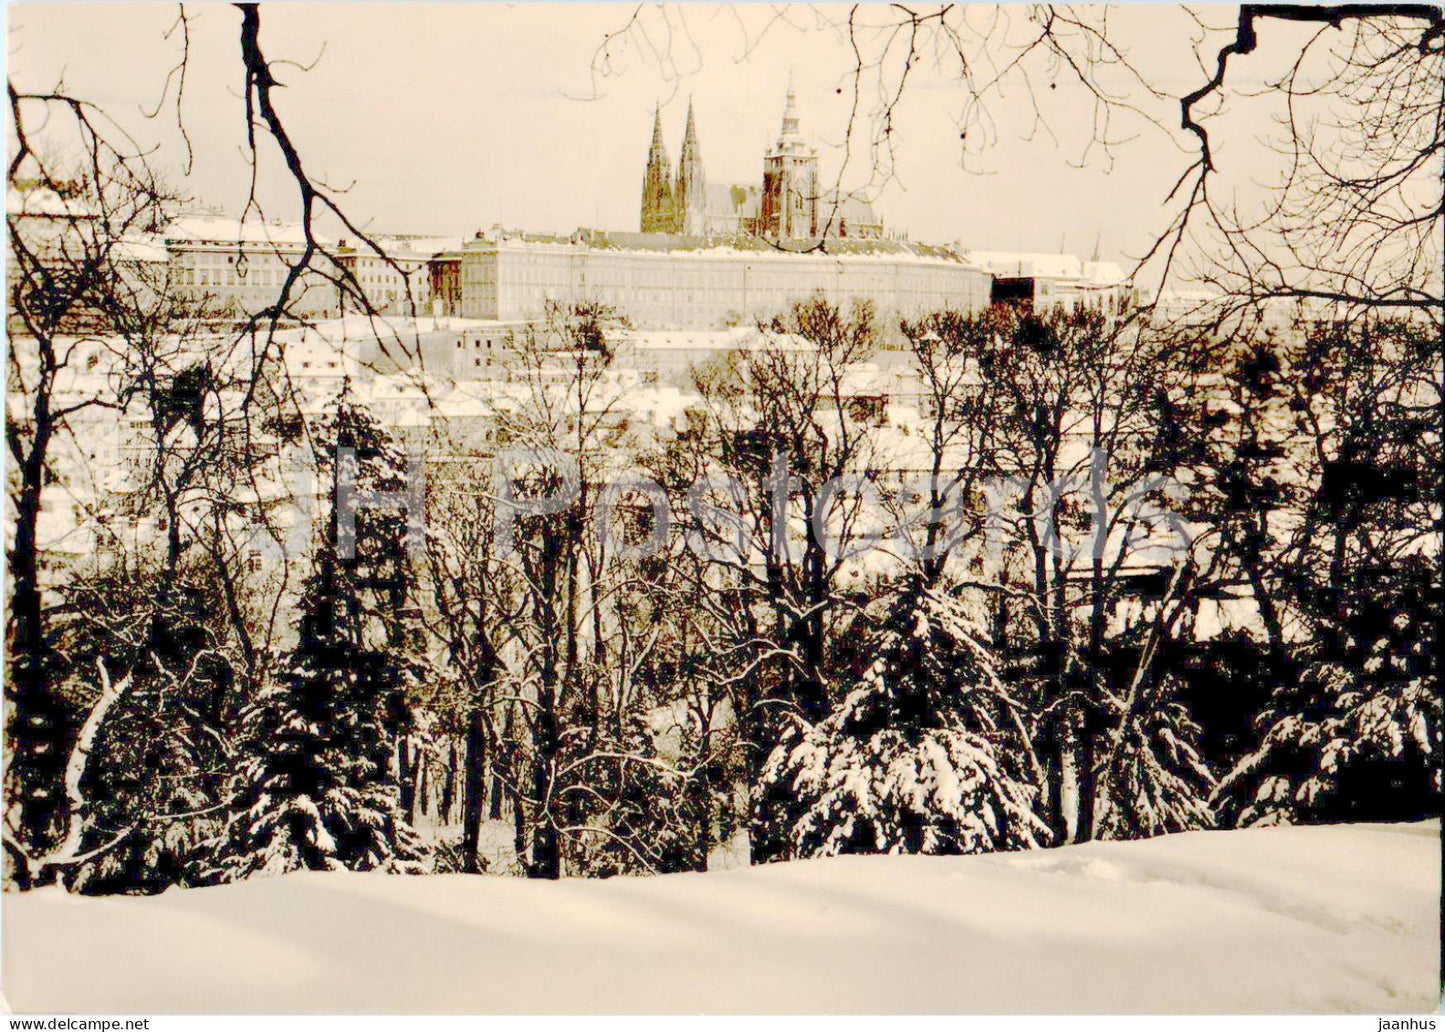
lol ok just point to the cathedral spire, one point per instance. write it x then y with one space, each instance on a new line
658 212
691 193
789 208
790 115
689 136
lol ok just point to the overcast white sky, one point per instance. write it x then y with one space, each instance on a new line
451 117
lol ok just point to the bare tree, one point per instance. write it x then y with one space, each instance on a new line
72 228
1356 220
788 455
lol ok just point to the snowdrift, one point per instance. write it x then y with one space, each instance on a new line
1341 918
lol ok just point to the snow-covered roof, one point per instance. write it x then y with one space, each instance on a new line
864 379
471 398
733 338
1105 274
1044 265
1024 263
44 202
847 208
664 404
740 200
1184 296
219 229
142 248
421 245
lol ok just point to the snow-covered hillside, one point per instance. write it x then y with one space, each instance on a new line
1287 919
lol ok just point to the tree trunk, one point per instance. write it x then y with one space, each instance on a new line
557 628
702 798
1079 761
473 785
1054 732
40 728
753 731
1090 688
813 698
406 778
546 846
519 828
494 799
449 783
499 791
1052 756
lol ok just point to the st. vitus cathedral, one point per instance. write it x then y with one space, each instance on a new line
787 206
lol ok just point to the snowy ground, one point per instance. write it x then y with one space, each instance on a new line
1273 920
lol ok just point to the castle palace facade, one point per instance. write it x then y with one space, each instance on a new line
786 206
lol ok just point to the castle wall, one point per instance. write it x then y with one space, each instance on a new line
707 288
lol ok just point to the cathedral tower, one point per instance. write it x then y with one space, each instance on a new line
659 215
690 196
790 181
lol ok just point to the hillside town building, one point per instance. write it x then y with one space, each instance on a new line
241 265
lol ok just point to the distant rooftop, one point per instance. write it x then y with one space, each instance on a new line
222 229
733 338
1048 266
44 202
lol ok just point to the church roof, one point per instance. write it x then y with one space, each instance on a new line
847 208
742 200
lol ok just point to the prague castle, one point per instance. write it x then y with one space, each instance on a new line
709 256
786 206
713 255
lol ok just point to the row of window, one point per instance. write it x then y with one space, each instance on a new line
233 277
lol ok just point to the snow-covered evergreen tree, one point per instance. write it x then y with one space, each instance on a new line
316 789
916 759
315 786
1354 581
647 822
1360 736
1154 780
